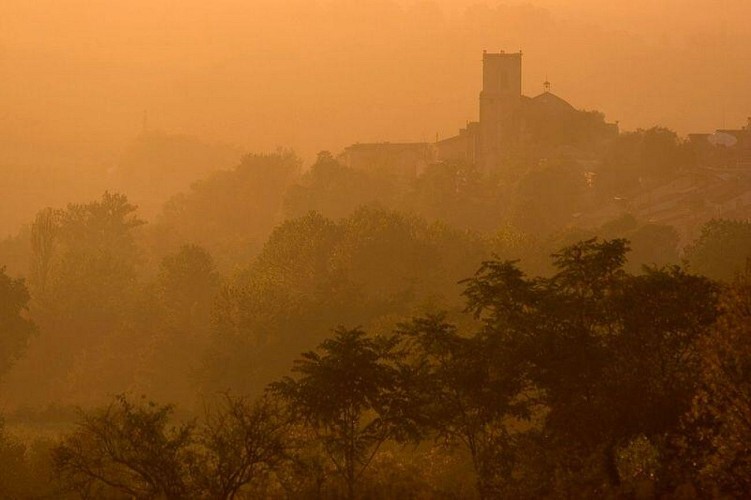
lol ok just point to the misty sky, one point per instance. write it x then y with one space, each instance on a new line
77 75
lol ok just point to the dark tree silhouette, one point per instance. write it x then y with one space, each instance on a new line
351 393
15 326
127 448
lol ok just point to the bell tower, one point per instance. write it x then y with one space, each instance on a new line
500 101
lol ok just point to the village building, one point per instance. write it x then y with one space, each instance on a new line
511 125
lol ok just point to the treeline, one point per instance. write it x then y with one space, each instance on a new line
564 372
232 212
110 318
593 382
541 194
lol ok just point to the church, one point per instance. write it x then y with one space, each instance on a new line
511 127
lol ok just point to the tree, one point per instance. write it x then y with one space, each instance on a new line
546 198
15 326
715 445
173 317
662 152
13 470
374 267
388 254
188 283
611 354
722 250
127 448
459 194
653 358
655 153
283 303
84 260
650 244
136 449
43 235
470 391
335 190
85 291
231 212
352 395
242 442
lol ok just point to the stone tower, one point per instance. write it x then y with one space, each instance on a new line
500 101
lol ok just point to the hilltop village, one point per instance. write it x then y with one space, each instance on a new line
707 175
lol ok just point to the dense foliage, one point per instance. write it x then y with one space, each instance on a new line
15 325
445 354
582 384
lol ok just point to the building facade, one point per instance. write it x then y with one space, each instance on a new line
510 125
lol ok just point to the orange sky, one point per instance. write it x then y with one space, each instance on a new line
77 75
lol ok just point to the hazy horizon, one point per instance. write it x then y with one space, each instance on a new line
80 76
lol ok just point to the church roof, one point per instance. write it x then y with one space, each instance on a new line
550 102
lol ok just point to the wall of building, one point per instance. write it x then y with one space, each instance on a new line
500 103
402 160
462 148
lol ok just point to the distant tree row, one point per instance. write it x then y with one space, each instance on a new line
102 305
232 212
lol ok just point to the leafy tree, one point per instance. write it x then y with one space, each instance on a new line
389 255
373 268
458 194
553 128
651 244
510 243
351 393
546 198
188 283
85 290
173 320
653 359
718 425
127 449
135 449
231 212
612 354
335 190
722 250
284 302
15 252
242 443
15 326
12 458
297 259
662 152
634 157
44 233
84 260
470 392
638 463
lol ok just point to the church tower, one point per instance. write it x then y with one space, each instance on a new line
500 101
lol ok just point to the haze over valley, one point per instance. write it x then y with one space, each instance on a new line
375 249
